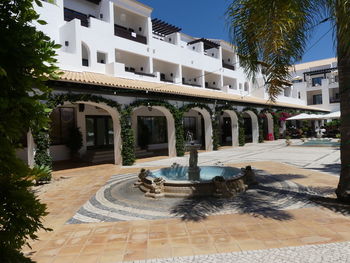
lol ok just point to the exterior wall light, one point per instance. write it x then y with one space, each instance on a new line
66 43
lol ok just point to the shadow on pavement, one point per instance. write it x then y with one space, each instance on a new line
271 198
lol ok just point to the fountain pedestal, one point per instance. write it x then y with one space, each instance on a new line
193 169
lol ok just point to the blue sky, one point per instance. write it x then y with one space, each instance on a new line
205 18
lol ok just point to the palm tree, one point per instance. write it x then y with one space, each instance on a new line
272 34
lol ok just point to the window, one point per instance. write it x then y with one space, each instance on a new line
101 57
317 99
62 119
190 125
317 81
297 80
299 96
152 130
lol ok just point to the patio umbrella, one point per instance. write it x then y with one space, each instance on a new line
302 116
332 115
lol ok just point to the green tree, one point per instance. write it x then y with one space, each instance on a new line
27 60
272 35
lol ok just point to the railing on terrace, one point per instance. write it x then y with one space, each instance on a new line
334 100
191 84
70 14
124 32
131 69
228 66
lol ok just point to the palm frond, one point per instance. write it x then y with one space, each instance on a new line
272 33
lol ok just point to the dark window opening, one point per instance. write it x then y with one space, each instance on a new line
62 119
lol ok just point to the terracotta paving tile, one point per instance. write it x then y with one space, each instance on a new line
216 231
200 240
251 245
76 241
111 255
182 251
180 242
71 250
134 254
227 248
273 244
178 234
241 236
137 245
159 253
157 235
88 259
263 235
224 239
97 239
64 259
82 233
47 252
137 236
159 243
43 259
203 250
92 249
116 245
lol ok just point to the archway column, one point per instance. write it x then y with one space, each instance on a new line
30 150
270 126
208 128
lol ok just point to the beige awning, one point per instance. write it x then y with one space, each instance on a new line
118 82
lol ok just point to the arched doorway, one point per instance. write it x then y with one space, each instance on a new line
251 127
100 129
198 122
229 128
154 130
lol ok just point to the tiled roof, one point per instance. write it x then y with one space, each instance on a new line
118 82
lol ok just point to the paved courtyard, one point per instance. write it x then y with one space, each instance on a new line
290 217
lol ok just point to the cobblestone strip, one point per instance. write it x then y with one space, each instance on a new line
325 253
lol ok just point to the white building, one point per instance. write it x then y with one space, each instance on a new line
116 53
317 83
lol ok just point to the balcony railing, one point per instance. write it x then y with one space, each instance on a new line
228 66
124 32
70 14
131 69
334 100
191 84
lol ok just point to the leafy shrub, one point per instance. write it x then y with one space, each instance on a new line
75 140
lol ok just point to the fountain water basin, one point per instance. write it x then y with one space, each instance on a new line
194 180
206 173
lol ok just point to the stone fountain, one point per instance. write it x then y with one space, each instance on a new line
194 180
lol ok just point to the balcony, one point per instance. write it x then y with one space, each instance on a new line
70 14
207 86
191 84
228 66
124 32
334 100
163 78
131 69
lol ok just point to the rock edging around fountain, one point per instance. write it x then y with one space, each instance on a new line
157 187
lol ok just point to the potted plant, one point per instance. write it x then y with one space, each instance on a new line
74 142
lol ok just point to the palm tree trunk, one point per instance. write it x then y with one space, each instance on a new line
343 52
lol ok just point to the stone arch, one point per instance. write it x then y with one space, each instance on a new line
255 125
208 127
116 127
85 54
234 124
170 127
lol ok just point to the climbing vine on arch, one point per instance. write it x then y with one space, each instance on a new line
128 139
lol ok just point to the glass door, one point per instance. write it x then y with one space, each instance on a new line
99 132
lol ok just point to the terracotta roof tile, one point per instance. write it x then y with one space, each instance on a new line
118 82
